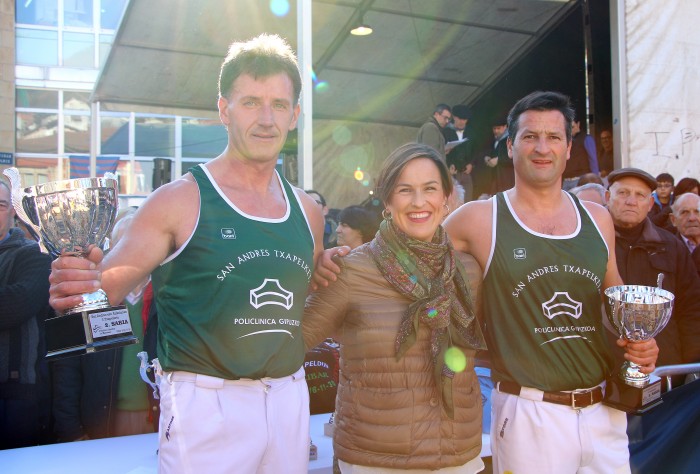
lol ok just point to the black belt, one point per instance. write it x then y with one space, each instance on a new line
575 399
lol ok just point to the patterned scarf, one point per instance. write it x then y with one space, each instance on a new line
430 275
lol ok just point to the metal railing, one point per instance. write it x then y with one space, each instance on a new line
692 370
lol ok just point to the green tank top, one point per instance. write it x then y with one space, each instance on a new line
230 301
542 303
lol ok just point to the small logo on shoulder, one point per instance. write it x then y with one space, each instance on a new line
228 233
519 254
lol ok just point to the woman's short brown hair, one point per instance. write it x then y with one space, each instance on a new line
397 161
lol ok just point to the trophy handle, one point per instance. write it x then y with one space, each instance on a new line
18 196
145 368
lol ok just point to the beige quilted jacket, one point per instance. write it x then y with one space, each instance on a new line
388 411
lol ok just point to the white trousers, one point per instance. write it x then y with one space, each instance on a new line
211 425
529 436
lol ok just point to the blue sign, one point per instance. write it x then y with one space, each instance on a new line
6 158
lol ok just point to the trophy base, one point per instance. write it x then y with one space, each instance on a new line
88 331
633 400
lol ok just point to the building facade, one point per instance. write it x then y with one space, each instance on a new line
51 54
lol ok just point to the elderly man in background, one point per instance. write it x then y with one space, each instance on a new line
592 192
644 251
686 220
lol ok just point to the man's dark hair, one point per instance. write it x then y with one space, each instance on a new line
589 178
320 196
665 178
541 101
263 56
360 219
441 107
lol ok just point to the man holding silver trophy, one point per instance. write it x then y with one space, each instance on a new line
231 247
650 256
644 251
69 217
547 257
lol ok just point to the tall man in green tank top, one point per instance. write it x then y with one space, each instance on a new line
231 247
546 258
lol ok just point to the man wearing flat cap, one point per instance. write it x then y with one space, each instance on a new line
498 159
644 250
460 155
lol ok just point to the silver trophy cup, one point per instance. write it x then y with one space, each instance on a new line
69 217
638 313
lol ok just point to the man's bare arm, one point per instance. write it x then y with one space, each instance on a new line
316 221
469 229
162 224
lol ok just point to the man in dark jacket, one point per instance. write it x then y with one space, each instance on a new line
430 132
643 251
461 155
24 304
686 220
503 176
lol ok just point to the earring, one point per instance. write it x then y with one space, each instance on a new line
386 214
447 209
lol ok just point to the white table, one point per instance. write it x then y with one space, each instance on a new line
125 455
135 455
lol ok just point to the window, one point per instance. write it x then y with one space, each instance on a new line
37 132
203 138
77 133
78 13
105 47
155 136
36 99
115 135
78 50
37 12
36 47
135 177
76 100
111 13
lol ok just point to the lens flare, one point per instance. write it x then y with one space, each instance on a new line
455 359
279 7
342 135
321 87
